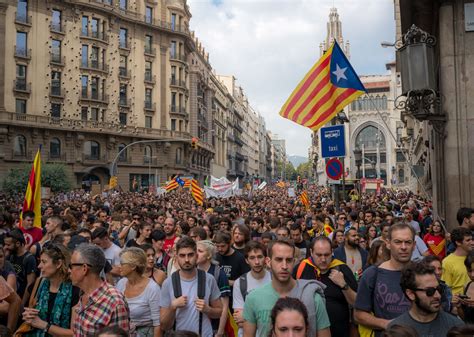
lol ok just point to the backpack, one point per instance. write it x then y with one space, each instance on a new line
243 285
201 290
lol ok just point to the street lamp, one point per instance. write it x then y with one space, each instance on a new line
358 160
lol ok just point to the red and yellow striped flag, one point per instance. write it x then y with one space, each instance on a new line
231 328
328 229
197 192
32 200
304 199
187 183
327 88
171 185
281 184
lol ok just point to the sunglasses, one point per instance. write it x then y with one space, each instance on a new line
430 291
78 264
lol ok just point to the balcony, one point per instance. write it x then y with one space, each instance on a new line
178 83
57 59
20 85
239 141
231 137
99 36
149 78
240 173
22 53
56 27
95 66
124 102
124 73
239 156
125 44
19 156
165 24
56 158
95 157
95 97
150 106
178 57
56 90
23 19
177 110
238 127
150 51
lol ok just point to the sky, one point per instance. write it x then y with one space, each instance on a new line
269 45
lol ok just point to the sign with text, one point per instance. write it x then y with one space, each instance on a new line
332 141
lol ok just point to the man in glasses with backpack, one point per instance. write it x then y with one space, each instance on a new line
422 288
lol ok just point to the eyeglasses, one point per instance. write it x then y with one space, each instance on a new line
430 291
71 265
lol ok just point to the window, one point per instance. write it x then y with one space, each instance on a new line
55 110
173 125
84 113
92 150
401 176
123 155
179 155
55 83
173 102
21 44
148 71
173 74
173 49
19 148
147 154
123 94
85 26
123 65
56 51
95 28
20 83
148 121
56 21
370 136
123 38
148 14
123 4
22 11
148 44
94 114
148 97
20 106
55 148
95 88
123 118
84 84
85 56
95 57
173 21
400 157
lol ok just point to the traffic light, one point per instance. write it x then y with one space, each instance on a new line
194 143
113 182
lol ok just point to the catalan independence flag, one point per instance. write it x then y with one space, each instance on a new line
328 229
231 329
281 184
197 192
187 183
32 200
171 185
304 199
327 88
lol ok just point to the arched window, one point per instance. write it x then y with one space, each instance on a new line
20 146
178 155
377 103
370 136
55 148
147 154
401 176
92 150
123 156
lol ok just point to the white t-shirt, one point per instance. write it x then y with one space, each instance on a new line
112 254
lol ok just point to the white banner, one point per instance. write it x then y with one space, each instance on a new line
221 188
262 185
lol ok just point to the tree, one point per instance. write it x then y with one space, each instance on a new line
52 175
304 170
290 172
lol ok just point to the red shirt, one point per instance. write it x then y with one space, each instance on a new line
436 244
32 235
168 244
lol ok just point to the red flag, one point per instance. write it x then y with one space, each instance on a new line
32 200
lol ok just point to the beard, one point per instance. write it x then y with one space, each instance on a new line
426 308
353 244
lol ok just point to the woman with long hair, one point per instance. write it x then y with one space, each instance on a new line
338 238
142 293
152 271
55 295
435 240
143 235
371 234
378 253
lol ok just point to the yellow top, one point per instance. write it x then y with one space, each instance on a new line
455 273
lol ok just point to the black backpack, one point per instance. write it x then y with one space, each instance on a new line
201 290
243 285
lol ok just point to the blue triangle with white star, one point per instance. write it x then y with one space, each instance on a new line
341 72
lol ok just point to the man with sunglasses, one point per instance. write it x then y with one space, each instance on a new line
421 287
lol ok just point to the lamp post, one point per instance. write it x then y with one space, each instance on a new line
358 160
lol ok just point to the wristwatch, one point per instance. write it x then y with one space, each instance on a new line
46 328
345 287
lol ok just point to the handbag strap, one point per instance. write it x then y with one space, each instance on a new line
32 302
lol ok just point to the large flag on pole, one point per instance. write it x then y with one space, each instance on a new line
327 88
197 192
32 200
304 199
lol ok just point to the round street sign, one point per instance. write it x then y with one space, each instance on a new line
334 169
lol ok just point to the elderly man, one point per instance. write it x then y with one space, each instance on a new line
101 304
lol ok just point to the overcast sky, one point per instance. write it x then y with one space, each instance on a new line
269 45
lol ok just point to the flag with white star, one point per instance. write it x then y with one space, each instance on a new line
327 88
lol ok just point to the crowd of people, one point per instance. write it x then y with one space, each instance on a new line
138 264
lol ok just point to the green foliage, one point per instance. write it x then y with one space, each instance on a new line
304 170
52 175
